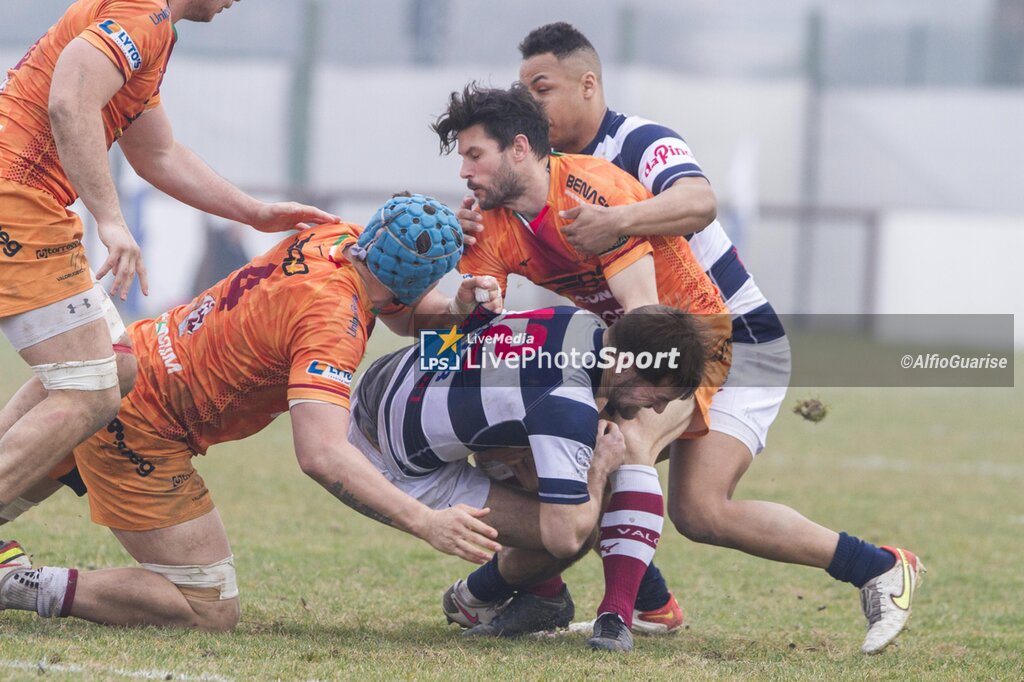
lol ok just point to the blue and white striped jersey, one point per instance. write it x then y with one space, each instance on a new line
657 156
423 419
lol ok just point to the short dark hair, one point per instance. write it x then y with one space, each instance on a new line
503 114
661 329
560 39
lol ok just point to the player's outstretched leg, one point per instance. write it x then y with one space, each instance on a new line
704 474
189 588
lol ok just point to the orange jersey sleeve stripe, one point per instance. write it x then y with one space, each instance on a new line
629 254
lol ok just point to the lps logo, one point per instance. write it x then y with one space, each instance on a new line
441 350
330 372
124 42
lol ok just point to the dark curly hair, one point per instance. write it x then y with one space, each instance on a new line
503 114
560 39
663 329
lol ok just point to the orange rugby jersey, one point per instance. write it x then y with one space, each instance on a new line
539 252
136 35
290 325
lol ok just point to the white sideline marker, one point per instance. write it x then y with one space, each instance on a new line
42 667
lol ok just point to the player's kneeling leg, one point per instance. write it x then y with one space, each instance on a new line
211 591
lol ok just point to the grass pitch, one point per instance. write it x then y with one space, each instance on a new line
327 594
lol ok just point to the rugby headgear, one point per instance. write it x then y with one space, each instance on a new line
411 242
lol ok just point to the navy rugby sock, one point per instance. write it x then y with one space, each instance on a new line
857 562
653 593
486 583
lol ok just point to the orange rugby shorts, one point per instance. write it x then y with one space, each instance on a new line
42 260
138 480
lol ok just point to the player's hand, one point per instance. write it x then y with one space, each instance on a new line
478 290
594 229
124 258
470 219
288 215
610 451
459 531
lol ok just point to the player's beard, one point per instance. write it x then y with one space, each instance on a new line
615 408
507 188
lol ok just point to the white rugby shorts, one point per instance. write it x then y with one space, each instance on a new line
752 394
454 483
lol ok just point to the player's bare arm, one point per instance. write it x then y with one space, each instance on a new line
688 206
635 285
435 310
325 455
177 171
565 528
84 80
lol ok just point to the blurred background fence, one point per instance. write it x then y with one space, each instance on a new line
866 155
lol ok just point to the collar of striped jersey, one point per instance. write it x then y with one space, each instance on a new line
606 122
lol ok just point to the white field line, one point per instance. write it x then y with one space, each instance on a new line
42 667
879 462
964 468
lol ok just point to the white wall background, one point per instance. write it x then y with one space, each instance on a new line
953 156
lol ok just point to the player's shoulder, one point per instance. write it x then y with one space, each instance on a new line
596 167
594 180
311 262
630 129
141 29
151 16
156 8
318 237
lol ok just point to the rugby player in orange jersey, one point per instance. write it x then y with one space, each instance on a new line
284 333
92 79
523 191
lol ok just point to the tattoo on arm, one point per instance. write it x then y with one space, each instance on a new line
350 500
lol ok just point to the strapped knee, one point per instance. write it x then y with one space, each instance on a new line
15 508
78 375
215 582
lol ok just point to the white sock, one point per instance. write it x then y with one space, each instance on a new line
48 591
56 591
